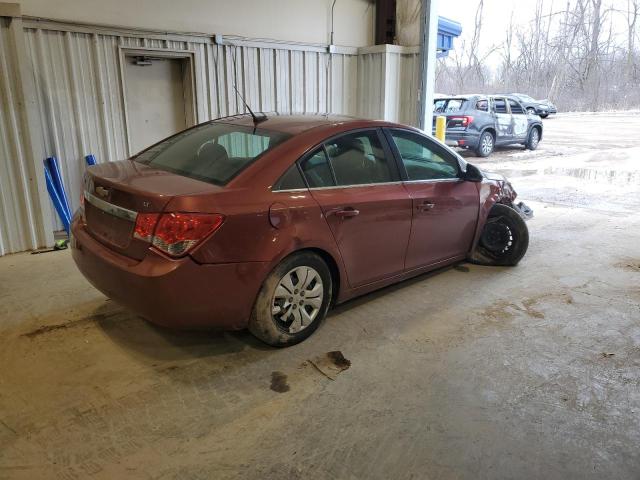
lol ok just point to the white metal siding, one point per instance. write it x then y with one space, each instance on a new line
19 218
80 104
77 78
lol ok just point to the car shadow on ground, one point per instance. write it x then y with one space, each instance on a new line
381 293
135 334
160 344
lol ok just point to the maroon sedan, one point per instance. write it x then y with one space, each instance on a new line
265 223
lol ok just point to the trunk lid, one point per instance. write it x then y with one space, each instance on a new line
116 192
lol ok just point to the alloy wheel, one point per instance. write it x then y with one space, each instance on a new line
487 144
535 138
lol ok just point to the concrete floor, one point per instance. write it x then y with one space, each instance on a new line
467 373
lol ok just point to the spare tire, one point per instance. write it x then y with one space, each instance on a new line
504 239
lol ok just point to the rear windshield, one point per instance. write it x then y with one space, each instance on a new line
214 153
448 105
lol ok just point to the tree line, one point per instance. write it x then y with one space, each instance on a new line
583 56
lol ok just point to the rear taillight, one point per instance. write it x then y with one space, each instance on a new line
145 224
462 121
176 233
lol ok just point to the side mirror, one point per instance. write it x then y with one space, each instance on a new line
473 174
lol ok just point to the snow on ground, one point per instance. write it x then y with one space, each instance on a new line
585 160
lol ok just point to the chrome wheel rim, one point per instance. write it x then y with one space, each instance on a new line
297 299
487 144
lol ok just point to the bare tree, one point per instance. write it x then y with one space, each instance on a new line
573 54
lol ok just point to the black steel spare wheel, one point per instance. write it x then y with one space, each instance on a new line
504 239
497 236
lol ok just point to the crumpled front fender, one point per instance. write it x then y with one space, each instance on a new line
493 189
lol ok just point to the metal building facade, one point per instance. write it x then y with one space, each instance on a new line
75 86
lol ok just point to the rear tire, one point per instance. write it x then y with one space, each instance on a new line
531 111
293 300
533 139
485 144
504 239
544 116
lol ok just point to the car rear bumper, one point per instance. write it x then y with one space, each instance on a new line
462 139
174 293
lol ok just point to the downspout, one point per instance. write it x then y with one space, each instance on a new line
427 66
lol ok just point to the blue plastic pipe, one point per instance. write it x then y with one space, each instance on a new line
56 176
57 201
91 160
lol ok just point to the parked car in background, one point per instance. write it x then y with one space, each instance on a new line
481 122
267 222
544 108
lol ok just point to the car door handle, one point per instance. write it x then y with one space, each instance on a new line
425 206
346 212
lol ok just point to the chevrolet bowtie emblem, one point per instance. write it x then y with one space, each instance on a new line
103 192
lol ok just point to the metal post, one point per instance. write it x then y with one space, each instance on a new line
427 67
441 127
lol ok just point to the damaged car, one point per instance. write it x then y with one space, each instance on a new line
481 122
266 222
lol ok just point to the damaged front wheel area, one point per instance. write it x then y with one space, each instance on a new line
504 239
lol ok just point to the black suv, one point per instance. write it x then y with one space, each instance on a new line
544 108
480 122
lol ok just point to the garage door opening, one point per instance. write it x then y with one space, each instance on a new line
158 97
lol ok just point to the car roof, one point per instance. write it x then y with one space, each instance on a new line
297 123
460 97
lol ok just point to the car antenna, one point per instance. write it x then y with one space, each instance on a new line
256 119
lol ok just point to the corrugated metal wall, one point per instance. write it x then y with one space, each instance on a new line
388 83
20 219
79 89
80 104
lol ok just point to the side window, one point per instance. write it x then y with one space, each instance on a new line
358 158
482 105
423 160
316 170
291 180
516 108
500 105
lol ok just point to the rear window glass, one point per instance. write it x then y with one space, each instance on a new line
448 105
214 153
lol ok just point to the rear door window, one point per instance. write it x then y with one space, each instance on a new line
317 171
214 152
358 158
516 108
291 180
500 106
